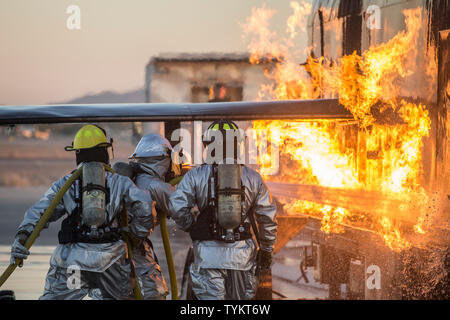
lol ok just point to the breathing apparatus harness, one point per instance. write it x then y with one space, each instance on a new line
74 230
223 218
210 224
88 222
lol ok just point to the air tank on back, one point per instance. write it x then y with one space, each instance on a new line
93 197
229 198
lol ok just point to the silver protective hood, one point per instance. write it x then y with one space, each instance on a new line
154 166
92 256
193 190
152 145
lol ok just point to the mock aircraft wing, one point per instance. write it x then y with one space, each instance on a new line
115 112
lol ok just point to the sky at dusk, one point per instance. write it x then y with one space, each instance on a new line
42 61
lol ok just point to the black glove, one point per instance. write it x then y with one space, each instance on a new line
124 169
264 259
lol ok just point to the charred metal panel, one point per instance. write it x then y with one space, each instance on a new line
438 12
169 127
443 120
332 265
350 12
356 281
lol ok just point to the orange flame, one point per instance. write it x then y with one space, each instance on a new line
381 157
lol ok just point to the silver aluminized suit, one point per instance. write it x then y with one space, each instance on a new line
101 265
225 270
148 271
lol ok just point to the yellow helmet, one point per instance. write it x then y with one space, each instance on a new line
89 136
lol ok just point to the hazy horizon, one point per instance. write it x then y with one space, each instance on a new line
42 61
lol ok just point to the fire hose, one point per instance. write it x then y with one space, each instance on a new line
41 224
136 289
167 248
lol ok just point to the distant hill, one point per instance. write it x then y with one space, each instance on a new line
135 96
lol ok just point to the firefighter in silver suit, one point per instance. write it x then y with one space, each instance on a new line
86 259
225 257
152 166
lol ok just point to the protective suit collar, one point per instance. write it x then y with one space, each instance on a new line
155 166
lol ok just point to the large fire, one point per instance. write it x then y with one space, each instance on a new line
365 154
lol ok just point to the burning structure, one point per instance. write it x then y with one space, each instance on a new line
384 173
210 77
374 188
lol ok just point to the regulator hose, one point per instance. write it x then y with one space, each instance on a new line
41 224
169 257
